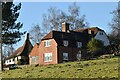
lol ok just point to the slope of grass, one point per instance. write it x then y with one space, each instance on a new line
103 68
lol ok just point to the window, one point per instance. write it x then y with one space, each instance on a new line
89 31
78 56
65 43
10 60
47 43
13 59
65 56
101 33
47 57
79 44
33 59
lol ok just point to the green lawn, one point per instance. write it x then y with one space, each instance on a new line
103 68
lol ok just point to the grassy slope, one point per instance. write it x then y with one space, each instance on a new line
104 68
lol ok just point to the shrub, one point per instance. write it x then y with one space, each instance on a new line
95 45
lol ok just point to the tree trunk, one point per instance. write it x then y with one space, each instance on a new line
1 36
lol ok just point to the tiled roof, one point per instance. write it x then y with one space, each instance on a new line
21 49
81 35
34 51
71 36
95 29
17 52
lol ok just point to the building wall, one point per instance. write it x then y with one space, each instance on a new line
103 38
33 60
33 56
72 53
9 61
51 49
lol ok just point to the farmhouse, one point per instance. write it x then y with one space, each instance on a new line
57 46
21 55
66 45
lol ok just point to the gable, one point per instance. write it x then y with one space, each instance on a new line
34 51
101 35
23 50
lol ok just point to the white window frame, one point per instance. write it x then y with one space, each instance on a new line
47 57
79 44
65 43
78 56
47 43
66 56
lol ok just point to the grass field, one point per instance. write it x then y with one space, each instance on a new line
103 68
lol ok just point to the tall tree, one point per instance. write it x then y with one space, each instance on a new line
55 17
0 36
75 19
52 20
115 25
35 34
10 28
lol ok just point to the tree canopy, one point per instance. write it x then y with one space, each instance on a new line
55 17
11 33
115 26
35 34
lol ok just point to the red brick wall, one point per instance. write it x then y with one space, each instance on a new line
52 49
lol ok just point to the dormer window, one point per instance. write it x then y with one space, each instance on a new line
65 43
79 44
89 31
47 43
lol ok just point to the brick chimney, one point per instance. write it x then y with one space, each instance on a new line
65 27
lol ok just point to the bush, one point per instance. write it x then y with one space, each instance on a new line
95 48
95 45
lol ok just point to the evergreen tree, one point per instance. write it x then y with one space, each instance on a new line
95 45
10 28
10 32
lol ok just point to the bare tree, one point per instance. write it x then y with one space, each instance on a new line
114 36
35 34
55 17
75 18
51 21
115 26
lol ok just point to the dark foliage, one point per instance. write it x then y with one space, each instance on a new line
11 33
